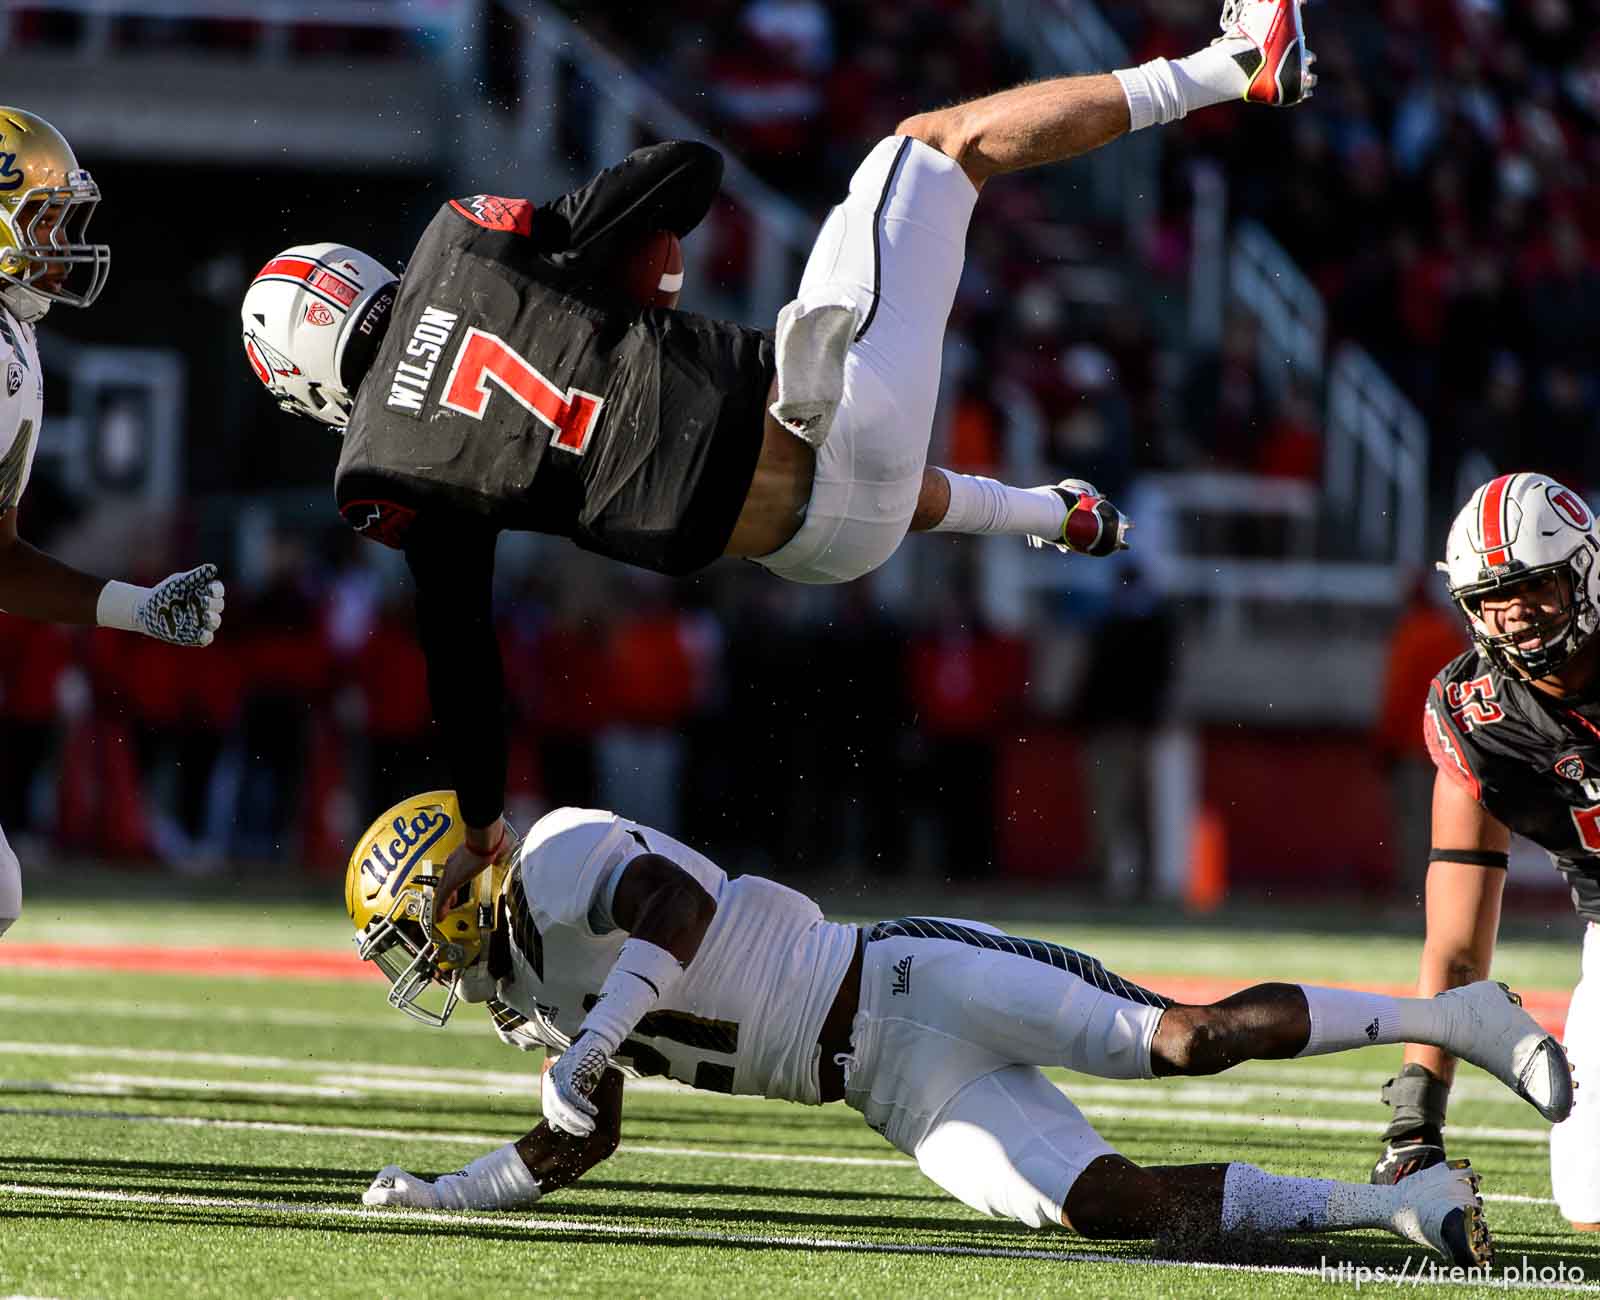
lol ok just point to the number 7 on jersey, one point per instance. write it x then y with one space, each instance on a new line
570 413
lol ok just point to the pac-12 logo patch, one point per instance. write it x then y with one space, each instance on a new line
13 378
318 314
1570 767
495 213
383 521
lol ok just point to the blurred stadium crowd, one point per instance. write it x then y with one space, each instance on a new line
1442 190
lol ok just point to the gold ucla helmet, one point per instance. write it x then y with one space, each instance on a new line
46 201
389 892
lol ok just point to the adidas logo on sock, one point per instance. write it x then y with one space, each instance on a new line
1372 1030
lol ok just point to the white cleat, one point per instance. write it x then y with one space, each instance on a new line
1093 525
1269 45
1489 1028
809 350
1440 1207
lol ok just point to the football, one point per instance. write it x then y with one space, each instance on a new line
653 275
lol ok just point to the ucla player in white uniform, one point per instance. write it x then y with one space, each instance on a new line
46 201
628 953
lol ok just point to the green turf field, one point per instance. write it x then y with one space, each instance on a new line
167 1135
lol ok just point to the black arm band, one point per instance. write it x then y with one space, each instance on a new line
1472 857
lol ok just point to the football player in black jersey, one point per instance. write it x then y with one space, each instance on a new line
505 382
1514 729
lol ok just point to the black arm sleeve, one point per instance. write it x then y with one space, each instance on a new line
453 566
668 186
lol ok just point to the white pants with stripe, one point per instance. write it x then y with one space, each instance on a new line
10 885
1575 1142
955 1018
894 250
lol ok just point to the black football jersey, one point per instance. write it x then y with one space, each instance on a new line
515 384
1530 760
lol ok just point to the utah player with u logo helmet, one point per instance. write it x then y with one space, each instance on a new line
505 382
1514 729
627 953
46 201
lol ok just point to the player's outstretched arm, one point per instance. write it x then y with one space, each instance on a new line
515 1175
452 563
1463 919
184 609
666 913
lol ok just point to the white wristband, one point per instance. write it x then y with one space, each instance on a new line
644 975
497 1181
118 605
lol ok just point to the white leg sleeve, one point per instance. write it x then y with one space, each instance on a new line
10 885
1575 1142
893 251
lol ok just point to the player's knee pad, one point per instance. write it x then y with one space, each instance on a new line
10 885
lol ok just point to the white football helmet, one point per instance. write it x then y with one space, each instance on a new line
1521 528
313 317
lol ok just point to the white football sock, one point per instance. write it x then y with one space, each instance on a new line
497 1181
1163 90
1345 1018
1256 1201
984 506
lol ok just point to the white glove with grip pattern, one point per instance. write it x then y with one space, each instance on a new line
394 1186
568 1083
184 609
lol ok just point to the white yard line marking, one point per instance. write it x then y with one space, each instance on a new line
1222 1119
128 1009
1248 1086
443 1221
405 1135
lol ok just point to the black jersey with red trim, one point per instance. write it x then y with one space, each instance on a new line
514 383
1532 761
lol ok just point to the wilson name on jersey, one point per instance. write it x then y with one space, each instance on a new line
1530 760
512 385
21 407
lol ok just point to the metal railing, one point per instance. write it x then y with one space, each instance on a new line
1072 37
618 110
1287 306
1377 462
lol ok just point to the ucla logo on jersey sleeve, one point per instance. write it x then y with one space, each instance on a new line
389 862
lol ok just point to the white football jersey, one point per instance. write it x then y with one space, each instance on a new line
21 407
746 1016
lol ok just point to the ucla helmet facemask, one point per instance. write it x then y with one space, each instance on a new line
46 201
389 891
1519 529
313 318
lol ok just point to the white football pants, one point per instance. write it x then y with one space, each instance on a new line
1575 1142
10 885
893 250
955 1017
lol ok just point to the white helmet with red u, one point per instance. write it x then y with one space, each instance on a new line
1519 529
312 318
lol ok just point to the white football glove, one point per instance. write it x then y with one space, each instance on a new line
394 1186
568 1083
185 609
